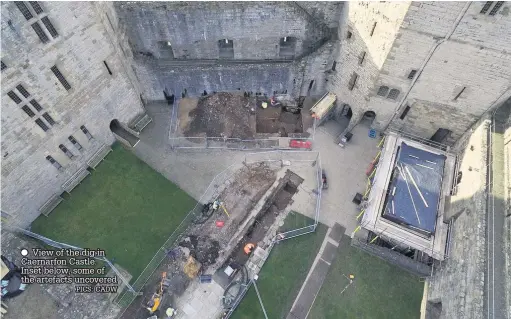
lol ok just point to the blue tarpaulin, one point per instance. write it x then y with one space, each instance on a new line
414 191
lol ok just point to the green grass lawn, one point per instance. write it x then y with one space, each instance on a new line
125 208
283 273
380 290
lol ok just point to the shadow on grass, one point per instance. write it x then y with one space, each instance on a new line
284 272
379 290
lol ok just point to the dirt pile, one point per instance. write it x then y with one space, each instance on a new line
207 243
274 205
222 115
202 248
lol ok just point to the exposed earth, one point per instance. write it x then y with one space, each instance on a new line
238 115
208 244
222 115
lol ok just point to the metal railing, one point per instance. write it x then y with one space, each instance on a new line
270 143
422 140
214 189
310 158
178 141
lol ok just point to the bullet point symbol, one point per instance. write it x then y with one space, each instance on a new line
24 252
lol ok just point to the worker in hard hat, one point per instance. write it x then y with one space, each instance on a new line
153 305
170 312
249 248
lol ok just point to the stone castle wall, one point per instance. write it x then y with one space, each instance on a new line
454 49
458 282
363 55
83 43
193 32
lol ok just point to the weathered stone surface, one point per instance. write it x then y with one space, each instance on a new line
411 36
450 44
458 282
85 41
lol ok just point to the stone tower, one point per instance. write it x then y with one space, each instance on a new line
64 78
430 69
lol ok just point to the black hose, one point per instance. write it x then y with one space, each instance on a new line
242 281
204 215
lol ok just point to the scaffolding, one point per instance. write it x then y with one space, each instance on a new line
397 241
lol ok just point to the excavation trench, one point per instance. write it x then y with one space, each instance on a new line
276 203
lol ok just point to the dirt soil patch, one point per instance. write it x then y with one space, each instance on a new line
219 115
248 186
277 120
186 106
204 249
275 204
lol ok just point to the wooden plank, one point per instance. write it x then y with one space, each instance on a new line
323 106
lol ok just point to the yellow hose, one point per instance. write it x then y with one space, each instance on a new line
381 142
225 210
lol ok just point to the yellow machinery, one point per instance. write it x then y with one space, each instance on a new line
217 204
157 297
225 210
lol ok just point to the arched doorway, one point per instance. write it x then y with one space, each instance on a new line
346 111
114 125
344 117
122 134
368 117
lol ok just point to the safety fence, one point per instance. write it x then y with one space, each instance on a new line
270 143
280 237
214 189
246 288
422 140
295 159
178 141
292 157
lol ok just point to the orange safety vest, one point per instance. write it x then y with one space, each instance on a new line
248 248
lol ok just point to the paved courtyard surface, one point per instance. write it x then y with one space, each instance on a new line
345 170
204 302
193 170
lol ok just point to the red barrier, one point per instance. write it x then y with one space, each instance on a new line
370 169
300 144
